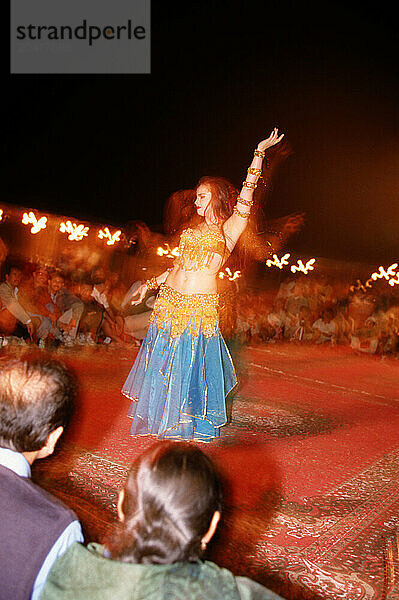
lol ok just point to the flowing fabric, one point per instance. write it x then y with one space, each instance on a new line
178 383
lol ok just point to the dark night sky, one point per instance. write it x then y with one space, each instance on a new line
113 148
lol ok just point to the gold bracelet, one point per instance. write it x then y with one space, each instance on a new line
253 171
245 202
259 153
152 284
250 184
241 214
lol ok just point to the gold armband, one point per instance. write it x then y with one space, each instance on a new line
259 153
256 172
250 184
241 214
245 202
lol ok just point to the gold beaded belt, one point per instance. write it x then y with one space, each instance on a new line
182 309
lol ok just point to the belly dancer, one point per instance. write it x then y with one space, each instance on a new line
183 371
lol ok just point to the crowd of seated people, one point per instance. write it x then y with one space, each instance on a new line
50 308
316 310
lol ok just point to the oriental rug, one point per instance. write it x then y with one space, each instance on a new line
310 462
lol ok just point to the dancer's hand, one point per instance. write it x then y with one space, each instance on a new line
139 295
273 139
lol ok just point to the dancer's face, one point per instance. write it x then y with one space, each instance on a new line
203 200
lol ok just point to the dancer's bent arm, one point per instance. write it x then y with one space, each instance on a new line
150 284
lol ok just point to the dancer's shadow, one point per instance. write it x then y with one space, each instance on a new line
237 352
251 481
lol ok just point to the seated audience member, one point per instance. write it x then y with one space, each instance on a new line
65 304
116 291
366 338
13 317
303 326
324 329
132 320
313 296
92 315
344 322
291 326
388 343
32 295
36 402
265 330
278 318
294 303
169 509
252 333
127 308
137 317
325 293
297 300
244 321
112 324
286 288
361 306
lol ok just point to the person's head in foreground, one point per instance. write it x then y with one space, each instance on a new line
170 506
36 404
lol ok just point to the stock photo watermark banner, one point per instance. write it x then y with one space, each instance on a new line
80 36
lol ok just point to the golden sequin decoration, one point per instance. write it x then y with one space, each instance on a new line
182 309
197 251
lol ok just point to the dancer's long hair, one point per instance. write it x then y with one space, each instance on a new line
170 497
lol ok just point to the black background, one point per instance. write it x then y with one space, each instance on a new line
114 147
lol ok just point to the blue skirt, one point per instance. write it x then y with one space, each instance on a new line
178 384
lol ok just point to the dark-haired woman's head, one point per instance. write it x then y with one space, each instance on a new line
215 198
170 506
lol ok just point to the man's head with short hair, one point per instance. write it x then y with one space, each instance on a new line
36 398
13 276
84 291
40 276
98 277
56 282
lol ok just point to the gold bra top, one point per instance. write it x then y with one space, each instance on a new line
197 251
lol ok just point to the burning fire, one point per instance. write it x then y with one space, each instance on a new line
37 225
304 268
76 232
112 238
277 262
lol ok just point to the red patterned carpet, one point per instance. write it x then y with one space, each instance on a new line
310 461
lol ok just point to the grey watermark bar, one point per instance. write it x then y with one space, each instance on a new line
80 36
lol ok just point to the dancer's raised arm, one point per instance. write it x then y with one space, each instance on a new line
235 225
